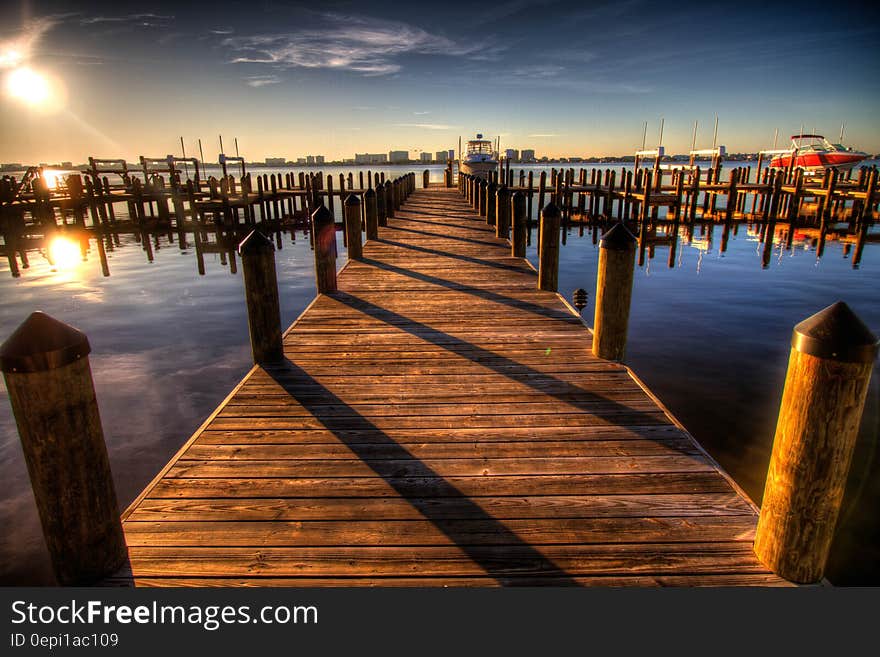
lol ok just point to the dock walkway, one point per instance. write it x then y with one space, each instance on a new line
439 421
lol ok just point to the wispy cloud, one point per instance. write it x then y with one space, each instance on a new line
422 113
142 20
19 48
365 45
544 135
261 80
537 71
426 126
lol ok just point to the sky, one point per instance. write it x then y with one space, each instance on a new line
122 79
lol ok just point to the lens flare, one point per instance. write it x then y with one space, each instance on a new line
63 253
52 177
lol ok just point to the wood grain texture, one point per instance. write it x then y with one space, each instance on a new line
439 421
815 436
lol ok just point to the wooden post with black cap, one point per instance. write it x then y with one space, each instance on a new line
46 367
829 368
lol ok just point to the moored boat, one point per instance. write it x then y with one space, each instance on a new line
480 158
814 152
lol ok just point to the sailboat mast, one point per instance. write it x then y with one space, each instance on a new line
183 150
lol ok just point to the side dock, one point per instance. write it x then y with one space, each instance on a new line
438 420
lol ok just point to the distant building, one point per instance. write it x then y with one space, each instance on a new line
276 161
370 158
451 153
425 157
310 159
512 154
398 157
319 159
527 155
11 166
301 160
67 165
441 156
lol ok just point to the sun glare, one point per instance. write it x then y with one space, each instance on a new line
52 178
10 57
63 253
28 86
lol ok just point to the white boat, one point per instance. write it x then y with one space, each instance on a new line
480 158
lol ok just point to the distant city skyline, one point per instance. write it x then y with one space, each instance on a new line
114 80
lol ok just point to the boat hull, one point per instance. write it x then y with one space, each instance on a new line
817 161
479 169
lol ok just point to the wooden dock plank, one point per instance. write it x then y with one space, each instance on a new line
439 421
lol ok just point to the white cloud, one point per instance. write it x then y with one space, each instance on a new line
143 20
426 126
365 45
262 80
545 135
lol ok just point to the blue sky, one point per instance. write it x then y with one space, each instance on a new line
334 78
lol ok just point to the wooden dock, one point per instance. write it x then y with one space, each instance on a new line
440 421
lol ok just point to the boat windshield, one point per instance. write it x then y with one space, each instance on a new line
814 142
480 147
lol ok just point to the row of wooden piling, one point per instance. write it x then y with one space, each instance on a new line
611 195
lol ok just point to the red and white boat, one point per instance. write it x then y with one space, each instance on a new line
814 153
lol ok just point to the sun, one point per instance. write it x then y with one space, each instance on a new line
28 86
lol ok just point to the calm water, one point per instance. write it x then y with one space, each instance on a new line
710 336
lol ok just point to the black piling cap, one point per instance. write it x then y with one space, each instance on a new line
618 238
42 343
352 199
550 210
835 333
370 193
254 243
322 214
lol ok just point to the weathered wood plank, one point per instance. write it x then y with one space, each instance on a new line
434 486
416 533
397 508
431 561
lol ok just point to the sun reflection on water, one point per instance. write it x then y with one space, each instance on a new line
64 254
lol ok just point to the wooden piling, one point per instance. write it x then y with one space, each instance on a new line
548 249
371 214
832 354
324 236
614 282
380 205
46 368
352 210
491 203
389 201
261 293
502 201
520 226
